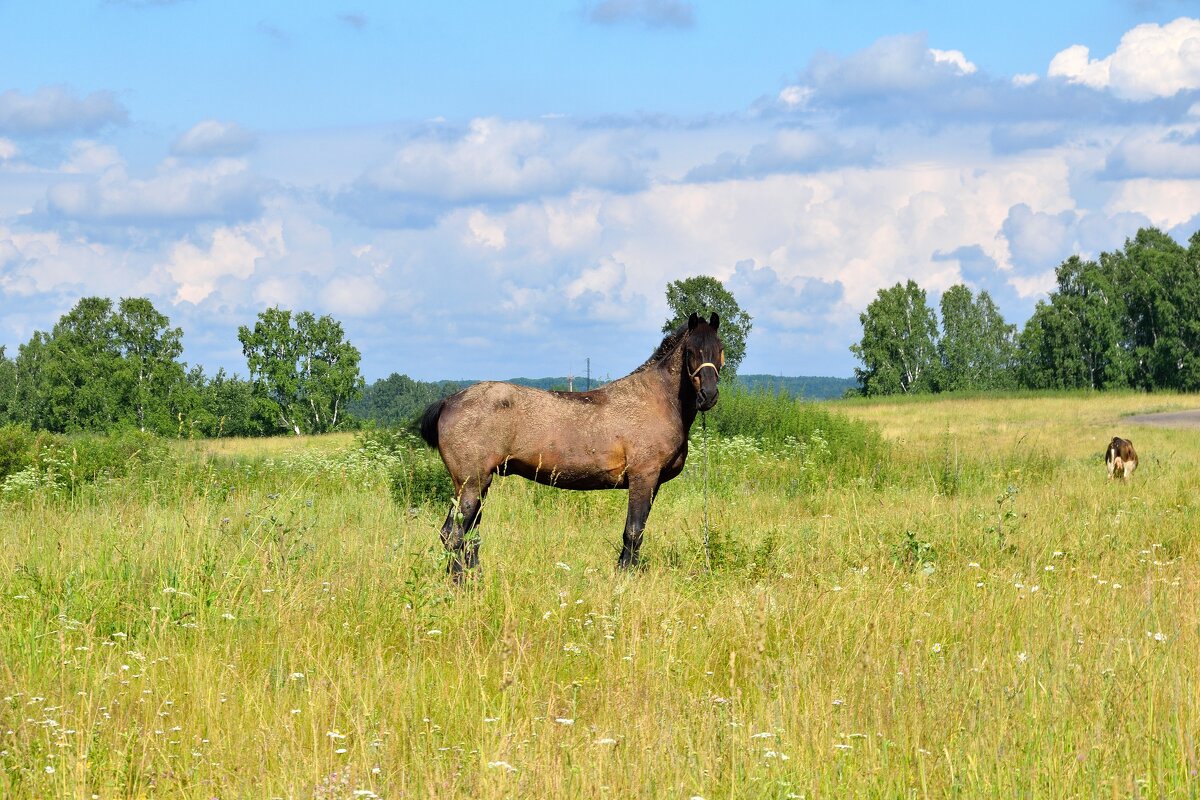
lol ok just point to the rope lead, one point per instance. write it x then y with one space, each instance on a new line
704 439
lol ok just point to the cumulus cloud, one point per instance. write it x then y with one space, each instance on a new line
1150 61
900 79
223 190
1151 154
230 253
893 64
955 58
786 151
1039 241
651 13
213 138
54 109
493 161
802 303
87 157
8 149
1165 202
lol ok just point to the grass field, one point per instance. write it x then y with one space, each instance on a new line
976 613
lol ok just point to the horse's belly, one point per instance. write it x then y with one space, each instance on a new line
567 473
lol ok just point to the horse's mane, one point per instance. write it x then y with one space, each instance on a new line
671 341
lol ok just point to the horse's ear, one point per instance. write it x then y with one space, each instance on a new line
693 321
714 320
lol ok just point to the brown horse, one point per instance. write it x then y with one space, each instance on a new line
630 434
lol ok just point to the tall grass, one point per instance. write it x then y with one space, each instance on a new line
250 621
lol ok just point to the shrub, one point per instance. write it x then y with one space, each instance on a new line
421 480
16 449
824 441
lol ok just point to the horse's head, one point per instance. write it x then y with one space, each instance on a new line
703 357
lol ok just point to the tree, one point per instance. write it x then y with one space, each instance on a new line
1159 288
1076 341
397 399
898 348
70 371
977 348
151 372
8 388
307 371
704 295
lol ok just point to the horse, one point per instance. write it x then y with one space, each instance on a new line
1121 458
629 434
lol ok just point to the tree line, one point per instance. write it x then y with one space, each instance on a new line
1128 319
106 367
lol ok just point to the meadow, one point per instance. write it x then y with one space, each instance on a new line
897 599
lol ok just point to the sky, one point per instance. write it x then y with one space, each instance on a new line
482 190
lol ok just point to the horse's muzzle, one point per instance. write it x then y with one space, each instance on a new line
706 400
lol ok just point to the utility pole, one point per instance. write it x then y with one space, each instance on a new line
570 383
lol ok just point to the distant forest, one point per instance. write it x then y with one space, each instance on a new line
1128 319
396 399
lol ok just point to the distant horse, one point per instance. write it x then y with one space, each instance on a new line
1121 458
630 434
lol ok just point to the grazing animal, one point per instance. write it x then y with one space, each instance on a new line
1121 458
630 434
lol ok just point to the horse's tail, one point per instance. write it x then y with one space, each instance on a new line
428 425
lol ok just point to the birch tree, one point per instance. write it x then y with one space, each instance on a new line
304 367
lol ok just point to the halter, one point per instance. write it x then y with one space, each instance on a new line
706 364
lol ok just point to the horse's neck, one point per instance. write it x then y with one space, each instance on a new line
678 387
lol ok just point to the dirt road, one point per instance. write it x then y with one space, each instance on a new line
1168 419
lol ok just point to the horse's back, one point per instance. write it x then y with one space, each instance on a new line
570 439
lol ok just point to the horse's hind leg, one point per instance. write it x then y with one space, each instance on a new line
461 522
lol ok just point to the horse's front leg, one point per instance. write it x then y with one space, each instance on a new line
641 496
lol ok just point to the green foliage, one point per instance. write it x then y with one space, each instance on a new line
16 449
1075 340
977 348
815 433
704 295
306 370
912 551
416 475
61 465
98 369
809 387
398 399
897 348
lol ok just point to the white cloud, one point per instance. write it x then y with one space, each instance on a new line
1154 154
223 189
1150 61
1166 203
955 58
493 161
214 138
8 149
796 97
1024 79
54 109
88 157
231 253
486 231
353 296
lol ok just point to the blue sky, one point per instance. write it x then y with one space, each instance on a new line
490 190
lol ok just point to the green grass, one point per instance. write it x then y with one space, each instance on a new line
957 605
